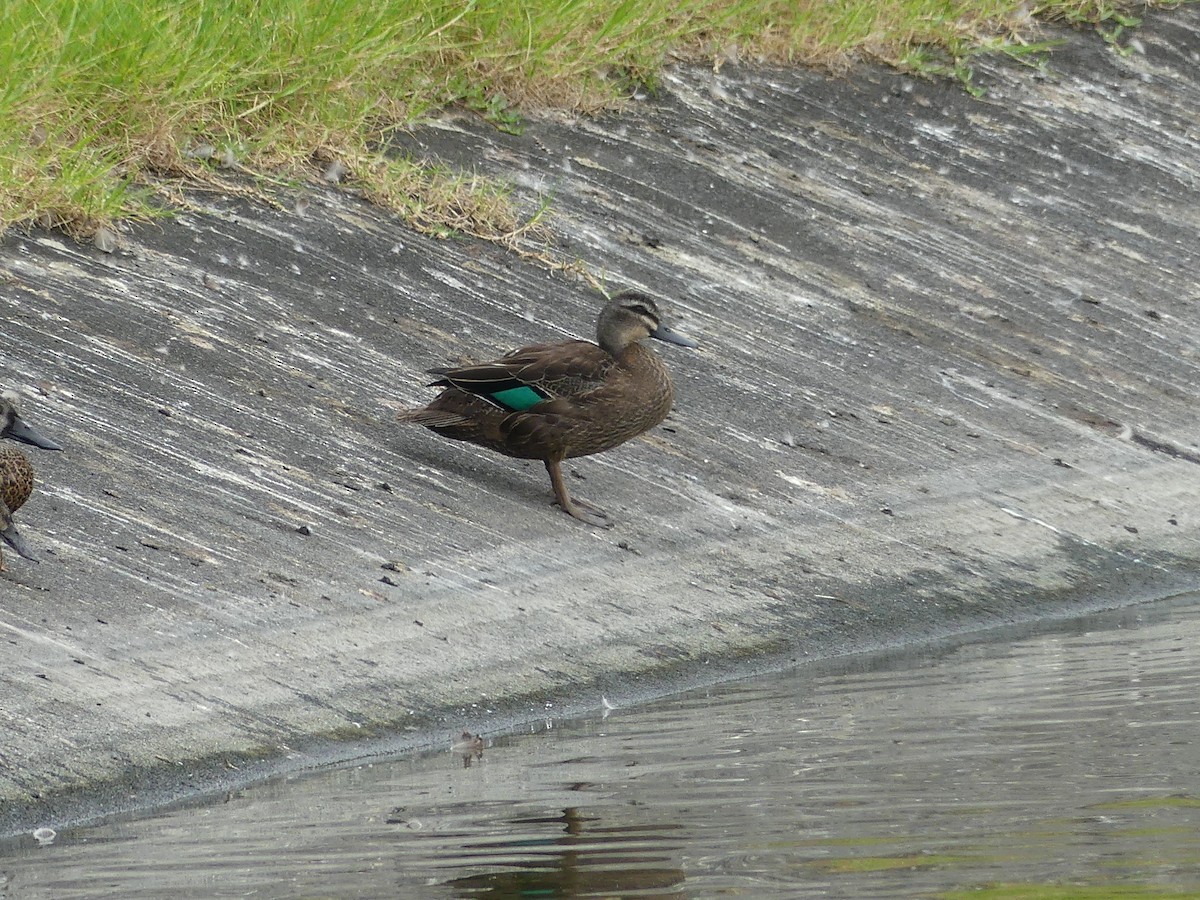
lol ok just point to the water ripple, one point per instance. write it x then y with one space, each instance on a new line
1057 758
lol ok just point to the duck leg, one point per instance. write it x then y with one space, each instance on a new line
580 509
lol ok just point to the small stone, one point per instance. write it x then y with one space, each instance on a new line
336 172
105 239
200 151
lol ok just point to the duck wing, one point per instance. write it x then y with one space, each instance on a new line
529 376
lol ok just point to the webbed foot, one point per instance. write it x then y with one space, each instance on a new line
585 512
579 509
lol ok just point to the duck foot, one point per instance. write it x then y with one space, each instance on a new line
585 512
579 509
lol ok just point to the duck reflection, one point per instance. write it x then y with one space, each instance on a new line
584 858
469 746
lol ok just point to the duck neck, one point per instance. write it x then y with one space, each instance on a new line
635 356
613 349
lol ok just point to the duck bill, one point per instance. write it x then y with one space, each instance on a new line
663 333
13 538
27 434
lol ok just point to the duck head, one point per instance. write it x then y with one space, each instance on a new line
631 316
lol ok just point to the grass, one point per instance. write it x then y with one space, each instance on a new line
109 108
1174 801
851 865
1066 892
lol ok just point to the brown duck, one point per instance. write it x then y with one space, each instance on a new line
16 474
558 401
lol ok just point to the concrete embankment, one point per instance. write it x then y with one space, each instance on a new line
948 380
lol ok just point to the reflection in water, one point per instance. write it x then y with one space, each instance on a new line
1062 764
469 747
581 859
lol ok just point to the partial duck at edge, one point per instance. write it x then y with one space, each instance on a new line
16 472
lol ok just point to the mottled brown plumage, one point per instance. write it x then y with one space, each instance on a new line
16 472
559 401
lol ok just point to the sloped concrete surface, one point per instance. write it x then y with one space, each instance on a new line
947 380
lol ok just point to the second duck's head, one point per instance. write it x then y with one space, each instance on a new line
629 317
13 426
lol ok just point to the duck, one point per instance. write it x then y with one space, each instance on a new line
468 746
562 400
16 472
468 743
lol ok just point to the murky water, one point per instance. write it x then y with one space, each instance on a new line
1059 765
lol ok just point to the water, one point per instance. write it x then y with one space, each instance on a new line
1063 764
